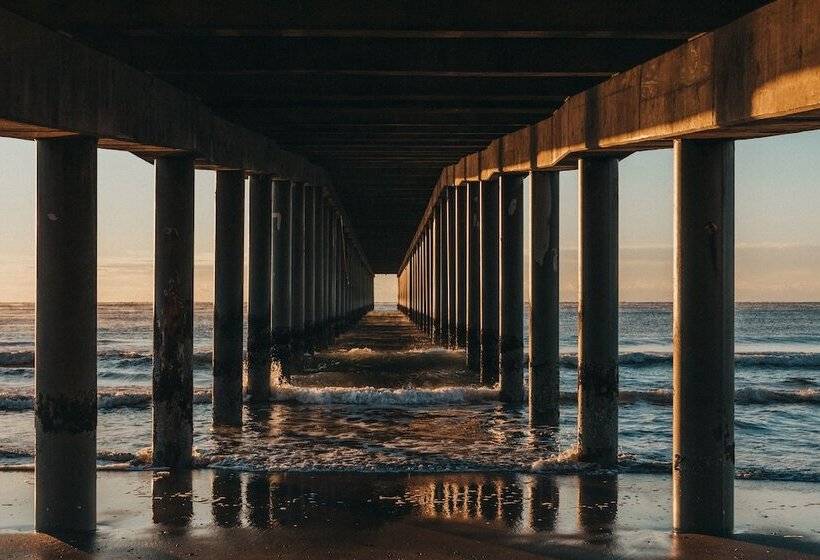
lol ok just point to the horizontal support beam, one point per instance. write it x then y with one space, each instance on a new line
757 76
282 18
53 86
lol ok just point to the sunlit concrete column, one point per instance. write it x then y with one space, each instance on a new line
297 274
173 311
452 280
598 310
703 447
441 254
310 266
473 296
65 417
229 256
543 334
461 266
259 287
489 281
511 288
431 279
281 278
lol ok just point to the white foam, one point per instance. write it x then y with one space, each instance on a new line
373 396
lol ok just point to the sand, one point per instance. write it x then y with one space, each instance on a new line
225 514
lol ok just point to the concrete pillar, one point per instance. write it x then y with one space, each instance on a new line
703 448
173 311
598 311
229 257
321 272
473 296
511 288
259 287
297 274
461 266
443 267
452 280
489 282
310 266
544 394
281 277
334 274
432 258
65 417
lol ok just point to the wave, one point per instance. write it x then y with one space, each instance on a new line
109 399
566 462
106 399
373 396
18 358
122 359
780 360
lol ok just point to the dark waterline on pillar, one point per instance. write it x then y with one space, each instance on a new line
229 255
511 289
173 312
598 311
66 336
703 446
259 287
544 321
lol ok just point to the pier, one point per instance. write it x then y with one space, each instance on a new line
391 141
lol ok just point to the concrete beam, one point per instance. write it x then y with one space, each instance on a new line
757 76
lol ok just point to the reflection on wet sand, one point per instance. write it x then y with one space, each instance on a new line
172 502
598 508
520 503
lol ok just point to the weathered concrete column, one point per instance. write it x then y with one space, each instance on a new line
297 274
461 266
443 274
452 279
489 282
473 296
280 278
703 448
229 256
544 394
65 412
321 272
431 280
334 276
598 311
511 288
173 311
310 266
259 287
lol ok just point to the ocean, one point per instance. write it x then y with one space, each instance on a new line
346 414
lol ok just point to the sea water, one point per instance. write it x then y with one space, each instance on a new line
448 424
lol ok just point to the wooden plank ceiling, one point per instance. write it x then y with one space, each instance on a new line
383 94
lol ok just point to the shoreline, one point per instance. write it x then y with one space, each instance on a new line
365 515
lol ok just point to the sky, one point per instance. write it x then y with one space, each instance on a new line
777 191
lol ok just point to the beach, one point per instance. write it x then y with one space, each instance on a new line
215 513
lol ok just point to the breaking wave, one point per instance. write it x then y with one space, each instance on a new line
373 396
106 399
779 360
25 358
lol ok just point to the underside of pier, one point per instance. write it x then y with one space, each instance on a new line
396 138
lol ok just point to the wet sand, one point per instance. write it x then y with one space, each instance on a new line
227 514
